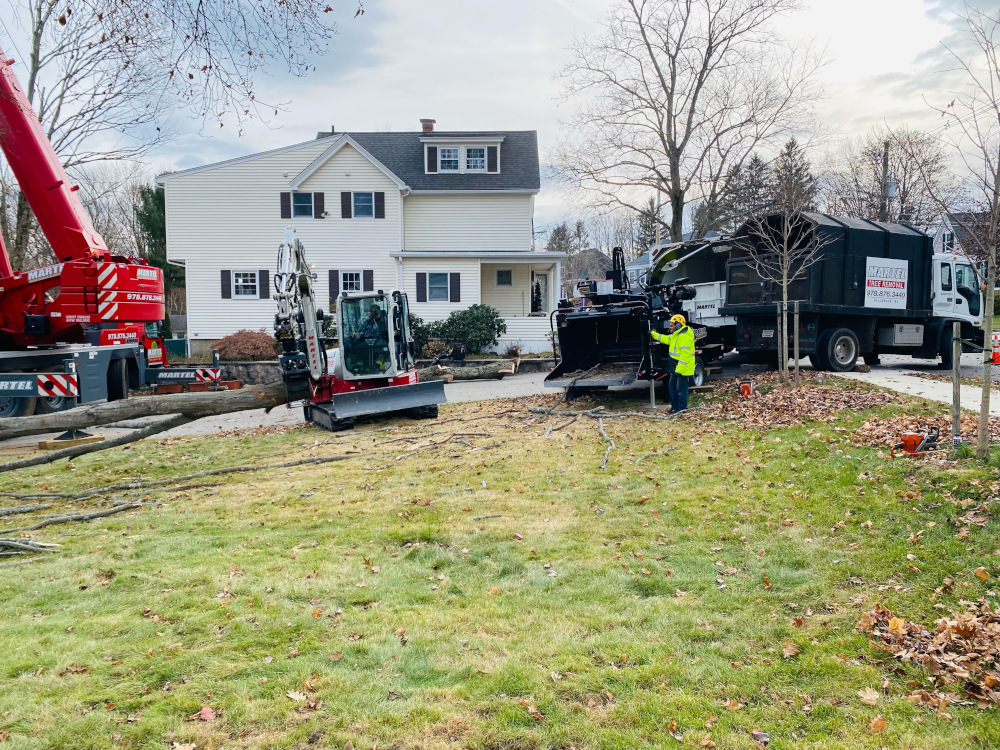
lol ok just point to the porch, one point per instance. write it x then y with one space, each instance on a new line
524 293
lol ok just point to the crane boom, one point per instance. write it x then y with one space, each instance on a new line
42 178
88 286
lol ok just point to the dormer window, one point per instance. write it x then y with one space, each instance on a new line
475 159
448 159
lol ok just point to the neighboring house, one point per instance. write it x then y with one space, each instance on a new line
589 263
445 216
636 269
952 235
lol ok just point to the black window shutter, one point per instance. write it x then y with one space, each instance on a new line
334 288
368 281
286 205
491 159
345 205
379 205
319 205
227 285
432 158
455 287
263 284
421 287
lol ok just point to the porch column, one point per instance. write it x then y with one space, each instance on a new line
557 287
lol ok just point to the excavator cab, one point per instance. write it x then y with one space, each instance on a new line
367 337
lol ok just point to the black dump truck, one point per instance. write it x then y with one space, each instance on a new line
877 288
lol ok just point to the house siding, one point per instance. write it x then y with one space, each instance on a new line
470 223
516 299
431 311
229 218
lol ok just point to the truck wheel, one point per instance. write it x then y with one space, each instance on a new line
52 404
947 352
117 380
841 350
16 407
698 378
872 358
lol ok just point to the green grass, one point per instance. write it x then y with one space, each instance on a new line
678 578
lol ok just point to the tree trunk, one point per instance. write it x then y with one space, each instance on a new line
677 214
190 405
983 446
494 370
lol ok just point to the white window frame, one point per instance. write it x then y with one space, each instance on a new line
947 242
496 278
311 207
466 158
458 158
362 192
256 285
447 286
343 280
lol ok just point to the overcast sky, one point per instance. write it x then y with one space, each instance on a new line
478 64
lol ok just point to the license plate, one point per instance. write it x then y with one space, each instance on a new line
767 334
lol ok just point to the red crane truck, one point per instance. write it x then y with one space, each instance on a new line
71 332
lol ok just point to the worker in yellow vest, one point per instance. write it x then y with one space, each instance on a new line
680 341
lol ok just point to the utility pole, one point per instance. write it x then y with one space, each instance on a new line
883 214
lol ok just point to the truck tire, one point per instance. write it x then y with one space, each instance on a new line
117 380
873 358
52 404
947 341
699 372
16 407
840 349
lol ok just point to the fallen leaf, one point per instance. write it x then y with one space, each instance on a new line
760 736
336 656
75 669
868 696
707 743
789 650
295 695
734 705
878 725
981 573
394 696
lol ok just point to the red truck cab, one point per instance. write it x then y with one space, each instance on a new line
150 335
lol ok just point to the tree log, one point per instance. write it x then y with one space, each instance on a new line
494 370
190 405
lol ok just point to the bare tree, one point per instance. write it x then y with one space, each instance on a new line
107 78
783 245
917 164
973 133
611 229
109 192
678 93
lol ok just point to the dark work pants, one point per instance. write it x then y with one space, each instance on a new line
678 388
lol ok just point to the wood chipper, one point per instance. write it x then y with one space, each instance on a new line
370 370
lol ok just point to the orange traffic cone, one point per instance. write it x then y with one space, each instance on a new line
746 389
996 349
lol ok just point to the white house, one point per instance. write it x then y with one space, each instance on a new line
445 216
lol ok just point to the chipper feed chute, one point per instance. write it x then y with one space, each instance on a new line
392 398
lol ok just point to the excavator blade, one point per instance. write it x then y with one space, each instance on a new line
391 398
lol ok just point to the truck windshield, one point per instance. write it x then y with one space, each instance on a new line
365 335
967 286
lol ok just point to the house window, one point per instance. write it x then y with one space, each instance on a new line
448 159
437 287
245 284
947 242
364 205
505 277
350 281
475 159
302 204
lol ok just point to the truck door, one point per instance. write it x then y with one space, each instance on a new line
944 290
968 302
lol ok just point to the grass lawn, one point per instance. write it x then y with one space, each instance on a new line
477 584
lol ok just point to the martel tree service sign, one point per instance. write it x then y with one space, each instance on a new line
886 280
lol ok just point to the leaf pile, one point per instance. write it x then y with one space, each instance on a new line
964 650
784 406
876 432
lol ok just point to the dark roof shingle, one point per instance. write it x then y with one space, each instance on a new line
403 155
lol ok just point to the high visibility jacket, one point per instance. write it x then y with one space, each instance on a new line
681 348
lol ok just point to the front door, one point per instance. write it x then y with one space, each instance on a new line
542 280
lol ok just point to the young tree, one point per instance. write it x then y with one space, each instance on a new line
973 133
917 164
784 245
649 218
678 93
560 240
